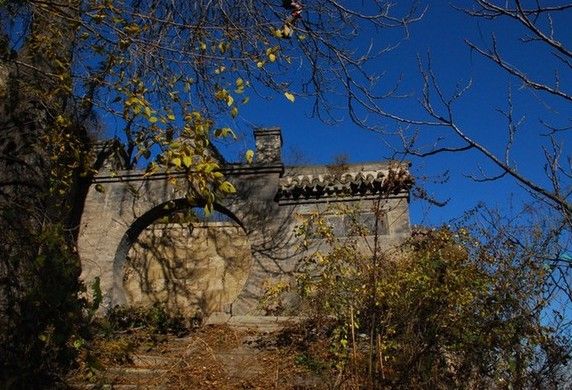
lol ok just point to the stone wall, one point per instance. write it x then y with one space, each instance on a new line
188 266
271 200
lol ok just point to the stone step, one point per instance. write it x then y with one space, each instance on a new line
132 376
219 318
108 386
135 371
89 386
244 358
265 324
153 361
119 382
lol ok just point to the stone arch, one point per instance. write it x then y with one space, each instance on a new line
229 253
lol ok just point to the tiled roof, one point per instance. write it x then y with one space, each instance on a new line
356 183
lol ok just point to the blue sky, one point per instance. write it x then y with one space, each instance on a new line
441 33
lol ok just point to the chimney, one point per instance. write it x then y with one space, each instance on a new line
268 145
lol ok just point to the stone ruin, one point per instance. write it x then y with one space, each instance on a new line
224 262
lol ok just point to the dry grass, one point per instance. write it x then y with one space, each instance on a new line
213 357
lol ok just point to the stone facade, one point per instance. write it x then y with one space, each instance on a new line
225 265
189 266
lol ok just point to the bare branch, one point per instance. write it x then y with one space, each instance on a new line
495 57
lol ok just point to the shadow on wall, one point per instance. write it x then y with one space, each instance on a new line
188 266
176 256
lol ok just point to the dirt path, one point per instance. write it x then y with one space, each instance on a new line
245 353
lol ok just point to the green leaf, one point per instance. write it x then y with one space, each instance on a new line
78 343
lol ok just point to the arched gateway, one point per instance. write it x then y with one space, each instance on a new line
223 264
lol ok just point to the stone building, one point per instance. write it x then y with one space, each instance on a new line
223 262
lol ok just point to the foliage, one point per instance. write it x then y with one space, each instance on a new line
42 313
113 338
443 310
156 319
153 65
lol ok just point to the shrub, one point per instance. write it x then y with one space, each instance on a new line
443 310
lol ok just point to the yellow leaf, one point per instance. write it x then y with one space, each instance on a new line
171 116
221 94
249 155
211 167
260 64
132 100
223 47
234 112
132 29
176 162
187 161
287 33
227 187
289 96
224 132
272 57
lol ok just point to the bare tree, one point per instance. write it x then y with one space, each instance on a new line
541 232
152 61
543 35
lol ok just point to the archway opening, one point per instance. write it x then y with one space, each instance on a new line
184 259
